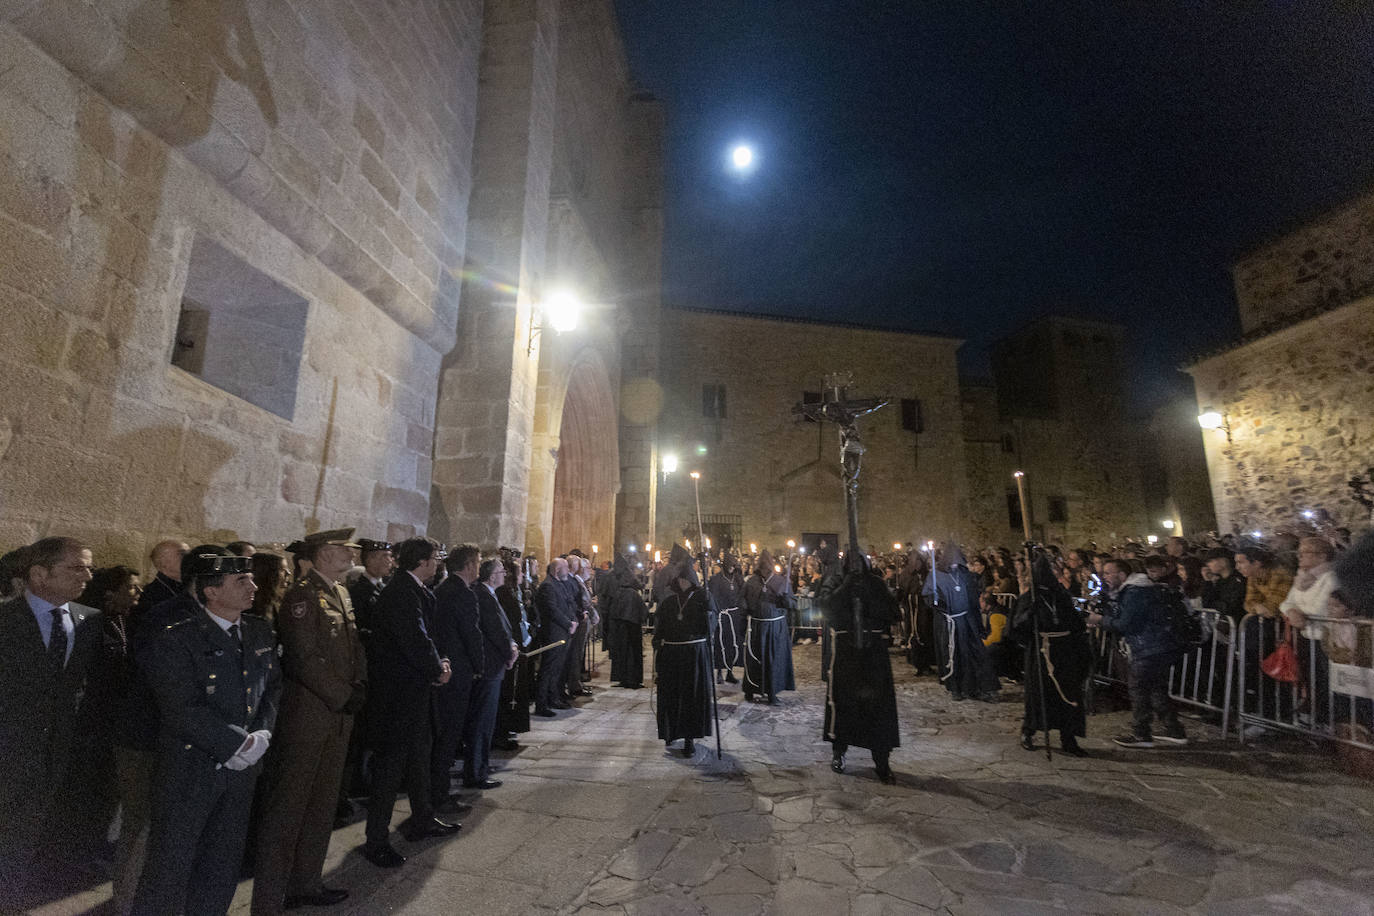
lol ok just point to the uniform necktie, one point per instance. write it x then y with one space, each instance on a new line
57 641
238 641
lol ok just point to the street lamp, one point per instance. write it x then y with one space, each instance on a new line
1168 524
560 310
1213 419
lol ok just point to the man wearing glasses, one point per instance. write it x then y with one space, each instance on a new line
47 644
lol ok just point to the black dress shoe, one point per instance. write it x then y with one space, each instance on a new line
730 678
383 856
837 763
484 784
325 896
430 828
688 747
545 713
1028 741
773 701
561 705
885 773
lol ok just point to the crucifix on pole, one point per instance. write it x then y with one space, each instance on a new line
845 413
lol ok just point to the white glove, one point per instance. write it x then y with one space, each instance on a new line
251 751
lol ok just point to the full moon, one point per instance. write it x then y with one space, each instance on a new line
742 157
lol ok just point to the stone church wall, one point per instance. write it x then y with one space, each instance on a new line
1300 406
1324 264
325 147
779 476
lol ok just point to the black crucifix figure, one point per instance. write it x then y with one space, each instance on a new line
845 413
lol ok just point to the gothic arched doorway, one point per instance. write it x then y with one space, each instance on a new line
587 473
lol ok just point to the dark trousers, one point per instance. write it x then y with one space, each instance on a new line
549 687
199 825
405 758
1148 683
451 705
577 653
479 728
297 818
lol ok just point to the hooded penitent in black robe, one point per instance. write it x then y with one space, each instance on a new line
918 621
682 634
860 701
1063 656
727 593
624 613
768 650
953 592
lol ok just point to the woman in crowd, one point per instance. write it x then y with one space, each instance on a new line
1003 651
272 576
979 567
113 591
1266 583
1190 574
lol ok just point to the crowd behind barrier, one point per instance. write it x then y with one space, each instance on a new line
1283 643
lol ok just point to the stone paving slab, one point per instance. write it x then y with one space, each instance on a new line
595 816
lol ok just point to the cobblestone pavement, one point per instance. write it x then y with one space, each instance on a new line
595 816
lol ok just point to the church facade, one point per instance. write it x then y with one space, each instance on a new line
270 267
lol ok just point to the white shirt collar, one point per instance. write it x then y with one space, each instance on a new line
223 624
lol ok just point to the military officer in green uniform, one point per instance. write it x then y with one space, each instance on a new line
325 674
216 681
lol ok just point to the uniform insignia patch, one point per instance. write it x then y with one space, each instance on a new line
209 688
298 610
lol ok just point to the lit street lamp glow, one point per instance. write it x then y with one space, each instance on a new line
1210 420
1168 524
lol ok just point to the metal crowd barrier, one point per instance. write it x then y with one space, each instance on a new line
1202 678
1333 697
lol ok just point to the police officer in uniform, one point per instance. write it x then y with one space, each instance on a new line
217 683
324 677
378 565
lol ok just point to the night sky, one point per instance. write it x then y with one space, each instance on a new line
964 167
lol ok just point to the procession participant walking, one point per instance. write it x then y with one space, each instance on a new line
683 660
860 701
953 591
324 677
727 592
1054 692
625 613
768 655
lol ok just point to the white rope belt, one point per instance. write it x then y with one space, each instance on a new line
955 616
769 619
1049 666
846 632
687 642
749 647
720 637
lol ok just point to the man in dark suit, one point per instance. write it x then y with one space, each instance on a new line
47 645
499 652
324 684
165 585
402 665
459 639
558 618
217 684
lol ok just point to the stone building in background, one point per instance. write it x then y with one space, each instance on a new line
273 266
1294 399
730 381
1056 410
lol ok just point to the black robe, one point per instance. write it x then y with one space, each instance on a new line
768 650
727 593
682 634
965 669
1061 664
624 615
860 701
